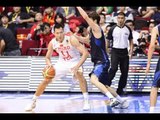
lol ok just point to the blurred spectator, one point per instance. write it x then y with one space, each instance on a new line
133 10
81 30
8 44
108 48
104 9
102 22
59 18
128 14
144 40
19 19
45 36
8 10
48 15
107 11
31 10
5 23
147 11
107 30
36 26
156 16
2 8
130 23
67 12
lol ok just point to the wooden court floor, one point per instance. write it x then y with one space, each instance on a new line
72 103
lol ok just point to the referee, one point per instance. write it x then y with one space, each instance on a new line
120 39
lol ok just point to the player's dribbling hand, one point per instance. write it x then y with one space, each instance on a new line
74 70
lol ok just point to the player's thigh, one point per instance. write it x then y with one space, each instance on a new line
61 70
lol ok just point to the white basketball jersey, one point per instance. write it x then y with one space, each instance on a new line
65 50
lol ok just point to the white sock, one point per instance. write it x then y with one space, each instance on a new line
119 99
85 95
108 94
35 97
152 108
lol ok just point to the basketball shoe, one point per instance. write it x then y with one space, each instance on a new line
123 105
114 102
31 105
86 105
152 110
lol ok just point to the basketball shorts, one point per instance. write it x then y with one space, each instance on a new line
101 71
64 68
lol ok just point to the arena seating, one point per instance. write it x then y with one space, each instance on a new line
28 47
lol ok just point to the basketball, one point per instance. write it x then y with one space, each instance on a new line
48 72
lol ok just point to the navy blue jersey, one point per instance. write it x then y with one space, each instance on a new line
156 81
98 49
159 33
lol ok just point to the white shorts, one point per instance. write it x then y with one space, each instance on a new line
62 69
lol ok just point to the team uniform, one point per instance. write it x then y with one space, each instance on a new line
100 58
156 81
69 56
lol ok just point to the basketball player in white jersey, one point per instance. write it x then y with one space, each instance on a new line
70 60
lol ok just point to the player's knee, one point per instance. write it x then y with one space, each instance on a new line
79 76
93 78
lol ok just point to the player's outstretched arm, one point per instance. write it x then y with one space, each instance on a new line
95 27
84 40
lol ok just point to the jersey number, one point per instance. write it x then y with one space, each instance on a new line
66 55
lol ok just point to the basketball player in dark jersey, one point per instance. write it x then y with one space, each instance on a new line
156 82
99 57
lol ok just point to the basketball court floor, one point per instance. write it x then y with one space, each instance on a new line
72 103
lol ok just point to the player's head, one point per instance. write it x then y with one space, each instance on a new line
94 16
59 32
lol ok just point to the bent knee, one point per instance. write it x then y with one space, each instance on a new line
93 78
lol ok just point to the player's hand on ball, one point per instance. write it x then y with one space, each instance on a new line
48 72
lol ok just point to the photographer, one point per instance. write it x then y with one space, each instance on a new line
144 41
44 35
140 49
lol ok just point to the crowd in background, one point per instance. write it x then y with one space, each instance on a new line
39 23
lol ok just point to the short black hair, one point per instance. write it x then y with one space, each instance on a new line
57 25
128 21
42 27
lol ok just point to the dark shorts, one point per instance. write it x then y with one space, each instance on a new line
156 81
101 71
13 53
